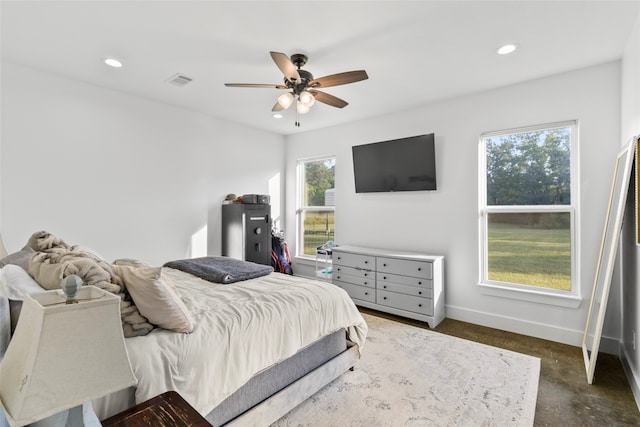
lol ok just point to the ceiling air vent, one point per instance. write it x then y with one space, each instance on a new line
179 80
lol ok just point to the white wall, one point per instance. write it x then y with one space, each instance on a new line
630 251
134 178
445 222
125 176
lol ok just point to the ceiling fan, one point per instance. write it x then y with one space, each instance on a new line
302 87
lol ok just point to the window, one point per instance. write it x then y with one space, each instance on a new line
528 208
316 208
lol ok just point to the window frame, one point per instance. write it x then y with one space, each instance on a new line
301 209
566 298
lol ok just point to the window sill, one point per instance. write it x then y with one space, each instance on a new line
306 260
531 295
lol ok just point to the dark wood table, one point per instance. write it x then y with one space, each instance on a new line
166 410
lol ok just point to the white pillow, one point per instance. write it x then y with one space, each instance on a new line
15 283
153 294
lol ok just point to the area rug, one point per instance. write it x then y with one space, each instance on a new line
409 376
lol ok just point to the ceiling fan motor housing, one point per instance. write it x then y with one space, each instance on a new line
303 84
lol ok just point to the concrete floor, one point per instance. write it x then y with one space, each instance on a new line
564 397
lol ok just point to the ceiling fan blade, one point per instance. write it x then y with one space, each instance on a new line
325 98
254 85
339 79
286 66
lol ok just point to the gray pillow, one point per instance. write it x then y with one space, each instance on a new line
20 258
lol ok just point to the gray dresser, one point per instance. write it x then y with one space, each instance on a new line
402 283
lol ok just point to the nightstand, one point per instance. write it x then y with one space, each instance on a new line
166 410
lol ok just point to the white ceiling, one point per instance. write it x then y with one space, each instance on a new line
414 52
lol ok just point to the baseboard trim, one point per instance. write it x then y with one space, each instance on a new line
525 327
631 375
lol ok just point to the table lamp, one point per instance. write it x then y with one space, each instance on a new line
62 354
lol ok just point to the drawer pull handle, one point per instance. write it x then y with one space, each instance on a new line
339 257
384 297
419 283
419 305
366 293
419 292
366 262
365 274
419 269
384 265
337 277
384 287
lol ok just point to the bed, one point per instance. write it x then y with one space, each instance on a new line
244 353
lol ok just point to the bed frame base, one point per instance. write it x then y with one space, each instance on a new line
275 407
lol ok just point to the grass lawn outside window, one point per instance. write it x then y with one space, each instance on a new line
536 256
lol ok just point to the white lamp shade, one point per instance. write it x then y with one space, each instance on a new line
307 98
285 100
302 108
62 355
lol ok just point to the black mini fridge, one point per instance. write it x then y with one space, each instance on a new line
246 232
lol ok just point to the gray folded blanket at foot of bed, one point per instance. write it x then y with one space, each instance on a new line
220 269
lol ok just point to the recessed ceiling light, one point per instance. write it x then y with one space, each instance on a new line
112 62
507 49
277 116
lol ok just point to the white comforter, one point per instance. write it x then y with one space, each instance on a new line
240 329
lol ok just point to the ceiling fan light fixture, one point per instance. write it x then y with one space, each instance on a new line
285 100
302 108
307 98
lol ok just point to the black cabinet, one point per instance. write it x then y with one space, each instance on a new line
246 232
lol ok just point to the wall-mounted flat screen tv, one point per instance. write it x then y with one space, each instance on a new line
406 164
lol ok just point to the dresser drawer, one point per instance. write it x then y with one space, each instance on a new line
386 278
351 271
369 282
405 302
354 260
362 293
407 290
405 267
